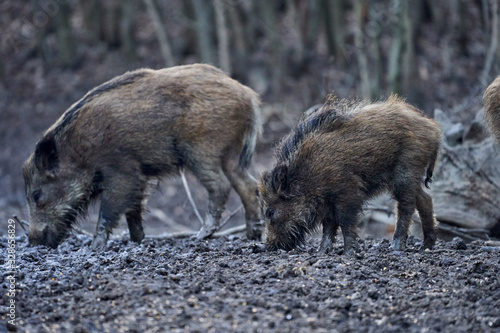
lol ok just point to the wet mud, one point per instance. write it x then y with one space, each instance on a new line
231 284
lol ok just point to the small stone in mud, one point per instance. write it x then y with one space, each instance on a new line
373 294
458 244
257 248
494 323
162 271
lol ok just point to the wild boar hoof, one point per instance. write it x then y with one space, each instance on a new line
351 246
325 248
326 245
137 236
205 233
398 245
351 252
429 243
254 229
99 243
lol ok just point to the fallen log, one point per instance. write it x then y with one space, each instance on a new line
466 188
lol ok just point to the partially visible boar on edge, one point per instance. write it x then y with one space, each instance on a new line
137 126
340 156
491 101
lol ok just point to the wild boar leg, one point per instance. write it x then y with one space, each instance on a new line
330 228
218 188
134 221
424 207
121 192
405 208
348 221
106 222
246 187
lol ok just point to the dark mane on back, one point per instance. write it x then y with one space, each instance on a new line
127 78
327 118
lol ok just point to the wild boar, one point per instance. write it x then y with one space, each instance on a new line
340 156
491 99
141 125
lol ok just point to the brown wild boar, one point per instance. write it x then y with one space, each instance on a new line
491 101
340 156
144 124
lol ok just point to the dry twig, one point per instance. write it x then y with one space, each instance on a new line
187 234
22 223
190 197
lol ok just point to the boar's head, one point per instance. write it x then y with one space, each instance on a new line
56 192
286 212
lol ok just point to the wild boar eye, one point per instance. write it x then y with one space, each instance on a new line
37 195
270 213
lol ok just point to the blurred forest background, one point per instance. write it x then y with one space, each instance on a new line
436 54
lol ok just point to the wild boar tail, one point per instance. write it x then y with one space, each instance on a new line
252 135
430 168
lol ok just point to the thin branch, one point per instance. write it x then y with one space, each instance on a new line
80 231
223 223
188 234
190 197
22 223
230 231
172 225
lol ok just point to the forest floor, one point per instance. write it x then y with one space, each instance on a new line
229 284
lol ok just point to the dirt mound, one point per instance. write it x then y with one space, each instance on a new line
230 284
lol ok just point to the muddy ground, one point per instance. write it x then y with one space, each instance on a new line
231 284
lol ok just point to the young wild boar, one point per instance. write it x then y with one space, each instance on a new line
340 156
143 124
491 101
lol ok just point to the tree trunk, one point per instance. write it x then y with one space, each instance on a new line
39 30
401 58
66 46
490 56
335 29
239 39
93 17
295 12
166 50
360 9
203 30
275 63
222 36
111 30
128 9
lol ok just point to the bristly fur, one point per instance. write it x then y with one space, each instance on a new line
143 125
341 155
72 112
71 215
325 119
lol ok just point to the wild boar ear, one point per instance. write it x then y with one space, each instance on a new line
280 181
46 156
